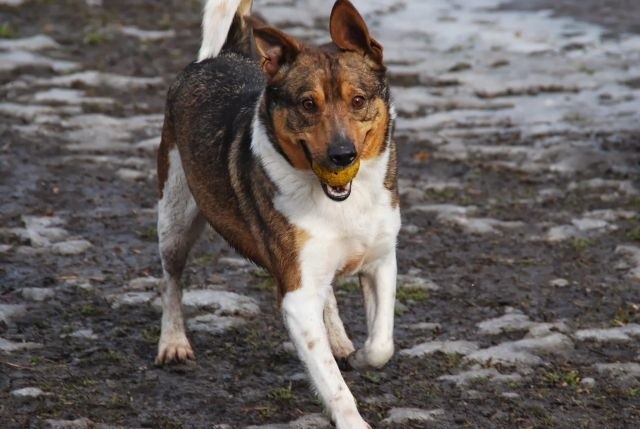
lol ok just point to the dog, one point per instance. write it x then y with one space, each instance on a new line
286 150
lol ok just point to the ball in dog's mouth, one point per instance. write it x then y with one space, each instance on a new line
336 184
337 193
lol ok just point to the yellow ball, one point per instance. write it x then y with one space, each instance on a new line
336 178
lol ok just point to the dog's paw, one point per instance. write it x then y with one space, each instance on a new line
174 352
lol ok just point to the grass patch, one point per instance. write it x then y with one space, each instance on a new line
267 284
117 401
349 286
411 293
149 234
37 360
634 234
7 31
114 356
372 377
282 394
206 260
151 334
586 69
89 310
94 38
569 378
579 243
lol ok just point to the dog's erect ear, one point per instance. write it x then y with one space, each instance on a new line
350 33
274 47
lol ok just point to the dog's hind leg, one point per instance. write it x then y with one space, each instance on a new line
341 345
179 225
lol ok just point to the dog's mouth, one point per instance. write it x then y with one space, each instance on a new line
336 184
337 193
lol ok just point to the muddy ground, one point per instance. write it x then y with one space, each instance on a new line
519 294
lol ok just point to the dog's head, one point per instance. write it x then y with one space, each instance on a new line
326 108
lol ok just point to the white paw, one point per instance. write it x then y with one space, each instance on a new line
364 358
175 350
351 421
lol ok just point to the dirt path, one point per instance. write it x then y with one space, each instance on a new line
519 299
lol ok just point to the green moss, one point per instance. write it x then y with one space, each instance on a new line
634 234
579 243
349 286
151 333
94 38
149 234
570 378
89 310
282 394
7 31
411 293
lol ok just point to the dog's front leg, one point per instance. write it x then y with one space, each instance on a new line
303 315
379 288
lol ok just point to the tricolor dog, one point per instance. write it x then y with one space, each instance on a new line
285 149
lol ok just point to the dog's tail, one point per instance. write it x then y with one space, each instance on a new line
223 27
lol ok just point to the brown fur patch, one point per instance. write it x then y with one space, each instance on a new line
391 177
351 266
292 277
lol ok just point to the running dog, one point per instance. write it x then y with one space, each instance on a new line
285 149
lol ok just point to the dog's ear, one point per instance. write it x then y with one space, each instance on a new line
350 33
274 47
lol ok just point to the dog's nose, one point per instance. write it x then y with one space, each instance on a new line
342 153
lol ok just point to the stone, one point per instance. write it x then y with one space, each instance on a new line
525 351
408 280
71 247
147 35
588 383
587 224
224 303
130 298
12 346
622 333
11 311
512 321
87 334
131 174
447 347
82 423
37 294
425 326
398 416
479 373
27 392
144 283
624 369
213 323
33 43
310 421
561 233
559 282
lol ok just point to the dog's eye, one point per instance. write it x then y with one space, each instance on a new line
308 104
358 102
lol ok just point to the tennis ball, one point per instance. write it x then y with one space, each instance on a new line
336 178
